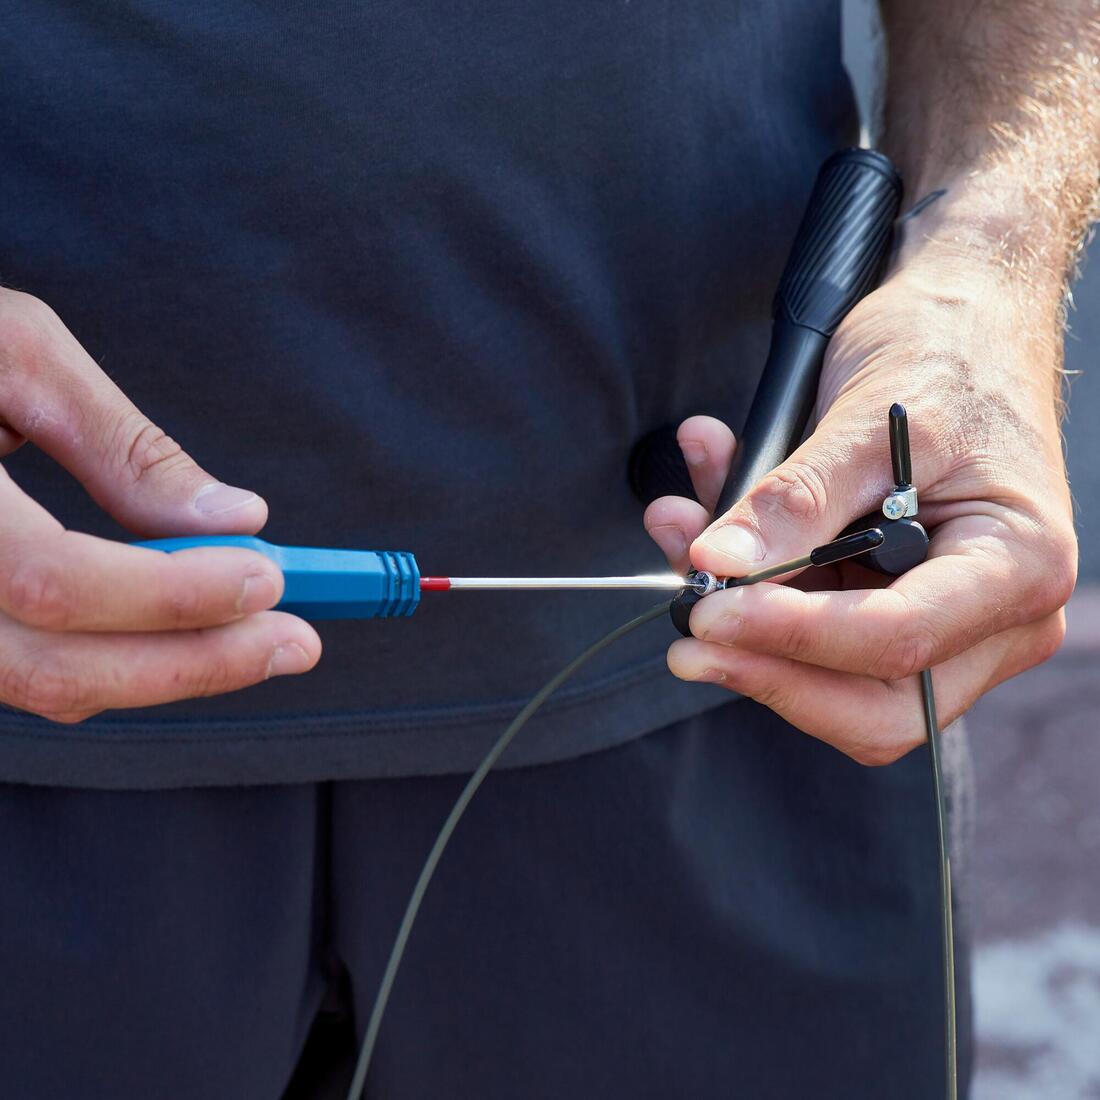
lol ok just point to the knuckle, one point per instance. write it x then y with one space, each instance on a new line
35 593
796 640
884 744
796 489
1060 573
1048 580
775 696
73 718
25 326
1049 637
47 684
905 653
144 448
184 606
878 752
214 676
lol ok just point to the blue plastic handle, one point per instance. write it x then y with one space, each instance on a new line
329 584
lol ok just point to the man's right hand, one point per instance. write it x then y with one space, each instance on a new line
87 624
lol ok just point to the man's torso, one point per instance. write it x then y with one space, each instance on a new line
420 274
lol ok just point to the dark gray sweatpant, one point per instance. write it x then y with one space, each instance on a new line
724 908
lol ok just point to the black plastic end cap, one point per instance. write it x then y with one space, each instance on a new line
679 610
905 547
901 461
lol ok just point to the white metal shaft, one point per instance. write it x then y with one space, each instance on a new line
664 581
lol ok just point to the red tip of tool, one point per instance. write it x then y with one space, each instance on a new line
435 584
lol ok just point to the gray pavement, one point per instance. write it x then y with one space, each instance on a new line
1034 879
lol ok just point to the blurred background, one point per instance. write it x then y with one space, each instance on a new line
1033 880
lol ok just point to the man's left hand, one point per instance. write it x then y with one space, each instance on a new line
951 342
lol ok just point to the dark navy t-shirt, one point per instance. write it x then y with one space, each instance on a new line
419 273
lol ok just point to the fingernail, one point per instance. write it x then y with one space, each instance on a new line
258 593
735 542
287 660
670 539
695 453
216 499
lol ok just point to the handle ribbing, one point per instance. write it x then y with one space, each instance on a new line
841 244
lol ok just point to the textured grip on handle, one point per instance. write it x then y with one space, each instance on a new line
841 244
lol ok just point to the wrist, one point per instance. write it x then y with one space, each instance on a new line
992 228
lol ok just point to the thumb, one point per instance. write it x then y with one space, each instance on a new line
59 399
801 504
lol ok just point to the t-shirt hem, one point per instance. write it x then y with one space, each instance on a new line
311 748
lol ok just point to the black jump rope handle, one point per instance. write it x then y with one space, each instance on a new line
838 255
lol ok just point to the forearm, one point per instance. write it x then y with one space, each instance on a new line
998 103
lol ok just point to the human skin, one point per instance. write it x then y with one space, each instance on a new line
998 104
88 624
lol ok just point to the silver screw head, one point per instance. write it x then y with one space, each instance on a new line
895 506
705 583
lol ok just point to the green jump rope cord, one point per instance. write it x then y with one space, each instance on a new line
928 700
468 792
400 942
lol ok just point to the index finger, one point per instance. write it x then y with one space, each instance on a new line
62 580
